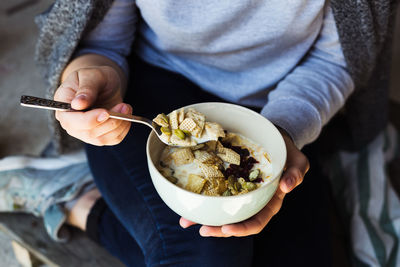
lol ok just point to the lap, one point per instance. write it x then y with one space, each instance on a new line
123 179
122 176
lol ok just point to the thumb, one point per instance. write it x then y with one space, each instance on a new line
90 82
297 166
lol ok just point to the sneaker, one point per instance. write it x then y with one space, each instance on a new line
40 186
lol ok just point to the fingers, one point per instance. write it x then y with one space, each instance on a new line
297 166
251 226
95 127
112 131
185 223
109 124
91 81
81 88
90 87
81 120
67 90
291 177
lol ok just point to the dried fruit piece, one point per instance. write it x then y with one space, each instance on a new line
232 139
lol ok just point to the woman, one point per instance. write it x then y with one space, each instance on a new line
284 59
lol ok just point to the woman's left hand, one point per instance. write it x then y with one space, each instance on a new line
297 166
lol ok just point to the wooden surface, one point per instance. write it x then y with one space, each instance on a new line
80 251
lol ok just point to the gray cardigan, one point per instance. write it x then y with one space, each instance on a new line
365 32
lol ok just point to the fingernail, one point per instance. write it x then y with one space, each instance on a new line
225 230
203 232
102 117
289 182
81 96
124 109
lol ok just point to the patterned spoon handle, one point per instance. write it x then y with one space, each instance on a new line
37 102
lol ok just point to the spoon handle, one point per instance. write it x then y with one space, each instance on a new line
37 102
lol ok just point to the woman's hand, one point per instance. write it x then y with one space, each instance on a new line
296 167
98 88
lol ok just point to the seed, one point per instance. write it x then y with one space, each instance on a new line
227 193
237 186
180 134
231 181
16 206
242 181
250 186
166 130
254 174
187 132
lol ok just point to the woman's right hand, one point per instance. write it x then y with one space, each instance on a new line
97 88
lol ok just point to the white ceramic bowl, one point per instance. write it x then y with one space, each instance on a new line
212 210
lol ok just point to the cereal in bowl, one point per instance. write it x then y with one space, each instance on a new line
230 165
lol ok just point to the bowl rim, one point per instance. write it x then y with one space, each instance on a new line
271 180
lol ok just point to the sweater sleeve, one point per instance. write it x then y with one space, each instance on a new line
114 35
314 91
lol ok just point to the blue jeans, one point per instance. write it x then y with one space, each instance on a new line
136 226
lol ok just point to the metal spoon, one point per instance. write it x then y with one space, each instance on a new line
37 102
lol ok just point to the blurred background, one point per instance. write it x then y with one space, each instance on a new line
24 130
21 130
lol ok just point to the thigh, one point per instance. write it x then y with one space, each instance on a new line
122 176
108 231
299 235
